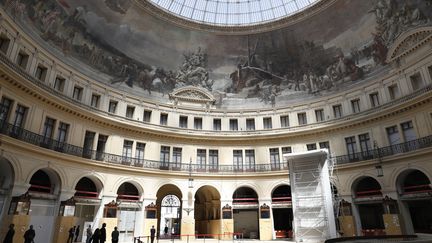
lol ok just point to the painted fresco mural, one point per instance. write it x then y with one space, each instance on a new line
136 52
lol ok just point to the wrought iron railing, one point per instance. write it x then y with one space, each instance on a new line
62 147
379 153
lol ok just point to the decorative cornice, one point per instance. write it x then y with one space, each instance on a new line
167 133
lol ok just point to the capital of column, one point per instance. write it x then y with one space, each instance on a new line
225 201
66 194
19 189
107 198
265 200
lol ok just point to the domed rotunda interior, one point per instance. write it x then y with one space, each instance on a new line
215 120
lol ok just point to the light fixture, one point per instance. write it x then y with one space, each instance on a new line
190 182
377 154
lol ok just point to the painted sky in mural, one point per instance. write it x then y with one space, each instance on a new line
143 55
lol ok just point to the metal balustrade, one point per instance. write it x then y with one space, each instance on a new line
62 147
378 153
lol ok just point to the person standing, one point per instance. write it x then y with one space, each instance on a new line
102 238
152 234
89 234
96 236
29 235
115 235
71 234
10 234
77 231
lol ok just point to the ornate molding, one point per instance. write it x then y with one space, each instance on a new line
408 42
192 94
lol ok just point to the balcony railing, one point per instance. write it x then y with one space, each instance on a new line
62 147
379 153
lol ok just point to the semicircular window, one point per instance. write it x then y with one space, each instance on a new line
233 12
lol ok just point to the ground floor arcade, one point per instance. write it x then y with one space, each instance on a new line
204 208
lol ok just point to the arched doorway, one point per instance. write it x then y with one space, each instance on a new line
87 202
128 197
44 190
415 191
368 200
207 211
6 184
245 212
282 211
169 203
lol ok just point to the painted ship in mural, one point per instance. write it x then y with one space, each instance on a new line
267 69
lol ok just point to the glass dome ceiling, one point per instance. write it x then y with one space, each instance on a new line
233 12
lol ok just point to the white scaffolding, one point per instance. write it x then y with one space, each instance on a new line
312 198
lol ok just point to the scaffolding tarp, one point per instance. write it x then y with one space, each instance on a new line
312 200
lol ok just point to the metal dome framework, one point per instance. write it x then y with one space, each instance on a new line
233 12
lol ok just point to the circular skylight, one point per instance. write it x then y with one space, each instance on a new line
233 12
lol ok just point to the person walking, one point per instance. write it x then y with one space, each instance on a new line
89 234
102 238
71 234
115 235
166 230
96 236
29 235
10 234
152 234
77 231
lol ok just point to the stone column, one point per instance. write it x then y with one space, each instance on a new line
100 218
356 216
347 223
265 219
63 223
148 221
391 217
227 224
21 222
188 219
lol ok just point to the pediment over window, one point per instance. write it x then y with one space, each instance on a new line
408 42
192 94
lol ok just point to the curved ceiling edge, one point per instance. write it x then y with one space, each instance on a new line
235 29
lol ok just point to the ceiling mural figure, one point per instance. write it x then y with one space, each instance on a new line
121 45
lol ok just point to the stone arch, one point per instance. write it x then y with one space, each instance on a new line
278 187
96 179
207 208
354 181
414 189
365 184
283 216
248 185
128 191
54 177
400 171
7 174
170 216
246 211
418 179
88 190
121 181
15 165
